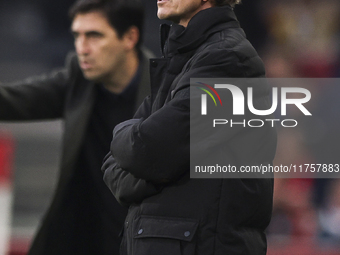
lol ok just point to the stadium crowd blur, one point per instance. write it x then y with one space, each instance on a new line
303 42
295 38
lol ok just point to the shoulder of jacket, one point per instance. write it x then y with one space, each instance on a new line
231 42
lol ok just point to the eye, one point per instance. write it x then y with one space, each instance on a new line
94 34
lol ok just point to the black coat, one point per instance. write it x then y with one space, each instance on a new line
148 166
65 94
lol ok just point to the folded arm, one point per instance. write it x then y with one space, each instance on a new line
155 148
124 186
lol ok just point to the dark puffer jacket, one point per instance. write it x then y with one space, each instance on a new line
148 166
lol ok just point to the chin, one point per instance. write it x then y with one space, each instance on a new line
90 76
167 16
162 15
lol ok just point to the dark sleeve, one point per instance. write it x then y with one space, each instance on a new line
157 148
39 97
124 186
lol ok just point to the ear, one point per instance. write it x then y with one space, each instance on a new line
131 38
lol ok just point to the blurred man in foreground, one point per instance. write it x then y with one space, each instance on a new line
101 86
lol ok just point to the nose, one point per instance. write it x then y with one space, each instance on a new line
81 45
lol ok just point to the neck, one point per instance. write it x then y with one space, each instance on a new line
122 77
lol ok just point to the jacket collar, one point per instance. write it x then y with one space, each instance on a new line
178 39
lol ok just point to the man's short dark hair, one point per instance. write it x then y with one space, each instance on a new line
225 2
121 14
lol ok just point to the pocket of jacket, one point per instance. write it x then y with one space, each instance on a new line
164 236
